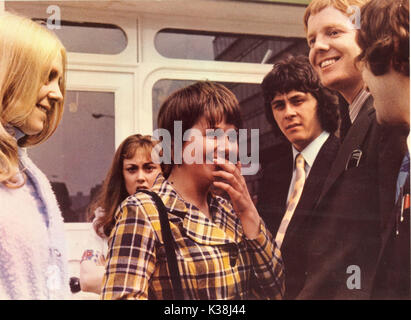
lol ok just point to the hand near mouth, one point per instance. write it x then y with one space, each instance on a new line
232 182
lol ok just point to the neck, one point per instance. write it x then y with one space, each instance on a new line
189 189
351 92
301 146
404 106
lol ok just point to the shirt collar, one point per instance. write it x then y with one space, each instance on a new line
225 228
310 152
18 134
355 107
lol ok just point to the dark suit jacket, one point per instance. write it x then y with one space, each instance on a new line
346 224
273 191
392 280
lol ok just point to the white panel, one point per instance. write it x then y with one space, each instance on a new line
79 238
122 84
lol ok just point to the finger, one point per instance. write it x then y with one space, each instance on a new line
234 169
234 195
225 165
229 178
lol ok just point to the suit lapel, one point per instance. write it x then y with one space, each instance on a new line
313 186
352 141
280 174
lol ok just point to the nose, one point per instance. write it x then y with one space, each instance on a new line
320 45
141 178
289 111
54 92
231 146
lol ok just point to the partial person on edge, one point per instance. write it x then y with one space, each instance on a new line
384 39
346 222
33 259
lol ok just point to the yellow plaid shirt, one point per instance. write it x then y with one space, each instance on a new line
215 259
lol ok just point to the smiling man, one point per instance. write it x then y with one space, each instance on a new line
346 223
303 112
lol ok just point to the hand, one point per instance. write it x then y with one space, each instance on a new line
231 181
93 255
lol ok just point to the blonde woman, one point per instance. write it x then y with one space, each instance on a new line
32 87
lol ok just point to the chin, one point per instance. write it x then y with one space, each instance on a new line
31 131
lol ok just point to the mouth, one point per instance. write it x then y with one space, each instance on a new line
328 62
142 187
292 126
43 108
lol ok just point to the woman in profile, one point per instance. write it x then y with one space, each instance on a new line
32 87
222 248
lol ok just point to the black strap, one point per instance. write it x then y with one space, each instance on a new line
168 243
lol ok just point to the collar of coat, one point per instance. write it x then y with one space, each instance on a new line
224 228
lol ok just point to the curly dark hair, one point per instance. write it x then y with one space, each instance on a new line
384 37
296 73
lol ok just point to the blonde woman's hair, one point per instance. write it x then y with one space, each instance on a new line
27 51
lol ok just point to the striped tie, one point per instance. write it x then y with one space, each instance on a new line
293 201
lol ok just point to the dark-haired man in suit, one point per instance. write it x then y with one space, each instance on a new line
305 114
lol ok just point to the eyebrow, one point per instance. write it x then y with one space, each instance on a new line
294 95
277 100
326 27
297 95
132 163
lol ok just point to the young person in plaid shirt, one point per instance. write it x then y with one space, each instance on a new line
223 249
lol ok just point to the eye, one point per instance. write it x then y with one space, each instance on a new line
311 42
297 102
277 106
333 32
149 168
131 169
52 75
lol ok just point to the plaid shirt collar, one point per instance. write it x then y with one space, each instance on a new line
225 227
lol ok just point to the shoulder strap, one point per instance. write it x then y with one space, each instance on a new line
168 243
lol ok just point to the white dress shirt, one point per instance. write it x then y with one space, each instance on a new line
309 153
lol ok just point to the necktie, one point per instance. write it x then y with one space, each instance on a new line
294 198
345 121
